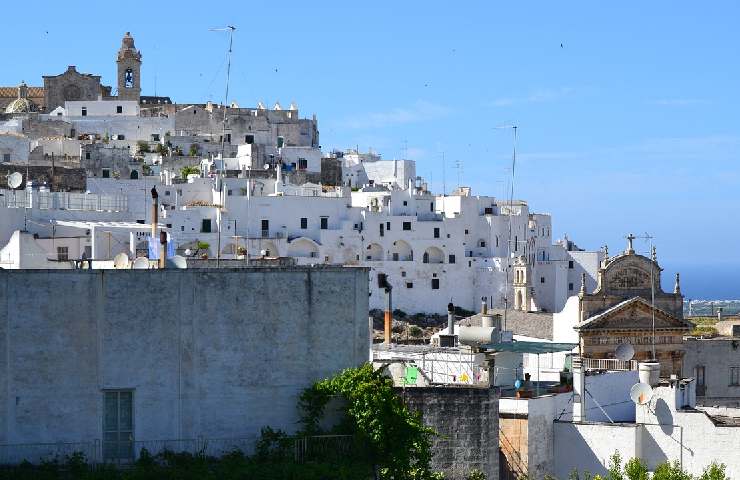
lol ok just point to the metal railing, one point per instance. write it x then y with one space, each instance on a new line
63 201
608 364
298 449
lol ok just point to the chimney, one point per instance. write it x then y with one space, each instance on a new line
450 319
162 248
155 218
579 391
484 305
388 314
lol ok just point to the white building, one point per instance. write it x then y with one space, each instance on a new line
434 249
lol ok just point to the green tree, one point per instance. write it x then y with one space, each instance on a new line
715 471
635 469
670 471
399 443
142 146
161 149
615 467
189 171
194 150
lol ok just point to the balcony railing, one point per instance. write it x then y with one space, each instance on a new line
611 364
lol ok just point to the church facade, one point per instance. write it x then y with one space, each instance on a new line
629 306
76 86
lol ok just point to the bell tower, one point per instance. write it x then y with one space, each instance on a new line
129 70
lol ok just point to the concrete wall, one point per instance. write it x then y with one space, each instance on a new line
587 447
207 353
467 422
717 356
666 430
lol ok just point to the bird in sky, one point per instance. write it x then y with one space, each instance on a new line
561 45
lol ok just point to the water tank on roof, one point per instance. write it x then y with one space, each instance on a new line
477 336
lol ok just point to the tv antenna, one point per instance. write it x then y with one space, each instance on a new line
15 179
511 208
121 261
649 238
219 181
641 393
624 352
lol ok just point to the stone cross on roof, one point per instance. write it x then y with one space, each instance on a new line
630 238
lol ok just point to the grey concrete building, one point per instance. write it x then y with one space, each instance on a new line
123 356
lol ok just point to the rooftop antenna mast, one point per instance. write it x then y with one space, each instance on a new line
219 180
511 208
654 258
444 176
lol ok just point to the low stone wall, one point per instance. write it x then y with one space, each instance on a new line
65 179
466 420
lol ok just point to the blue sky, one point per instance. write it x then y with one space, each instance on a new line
631 125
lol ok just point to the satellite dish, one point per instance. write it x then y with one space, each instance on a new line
625 352
120 261
263 253
267 166
641 393
188 252
177 261
518 384
15 179
141 263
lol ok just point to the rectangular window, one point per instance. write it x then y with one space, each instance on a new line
735 376
205 225
436 232
228 138
87 156
488 211
84 111
451 259
516 243
381 229
431 206
62 254
155 137
106 173
121 137
119 109
405 203
249 139
118 425
6 157
570 287
542 279
409 284
265 224
435 284
324 223
304 223
388 226
466 231
302 164
570 264
407 225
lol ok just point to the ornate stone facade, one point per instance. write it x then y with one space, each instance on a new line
70 85
627 302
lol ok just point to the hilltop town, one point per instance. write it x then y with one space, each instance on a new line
185 271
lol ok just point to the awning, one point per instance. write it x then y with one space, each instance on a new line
529 347
94 224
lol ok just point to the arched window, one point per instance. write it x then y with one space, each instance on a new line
134 175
